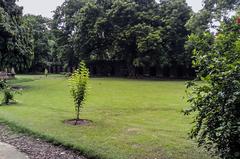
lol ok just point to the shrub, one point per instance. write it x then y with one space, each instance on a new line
2 84
8 92
216 100
78 87
8 95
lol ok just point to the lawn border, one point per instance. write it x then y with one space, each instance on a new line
22 130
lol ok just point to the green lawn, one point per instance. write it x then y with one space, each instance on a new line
131 119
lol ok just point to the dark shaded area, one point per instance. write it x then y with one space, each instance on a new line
103 68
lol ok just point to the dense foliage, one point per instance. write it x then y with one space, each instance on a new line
7 91
15 44
217 99
78 87
139 33
42 40
63 28
213 11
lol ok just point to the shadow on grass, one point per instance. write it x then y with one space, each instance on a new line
19 80
11 104
20 87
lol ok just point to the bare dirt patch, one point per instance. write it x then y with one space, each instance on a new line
80 122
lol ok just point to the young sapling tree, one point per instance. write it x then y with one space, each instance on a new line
78 87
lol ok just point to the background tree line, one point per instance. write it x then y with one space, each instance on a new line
129 37
138 36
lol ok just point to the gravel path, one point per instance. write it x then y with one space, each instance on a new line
36 148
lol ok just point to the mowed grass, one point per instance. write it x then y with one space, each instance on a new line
132 119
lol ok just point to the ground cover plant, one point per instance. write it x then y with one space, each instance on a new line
130 118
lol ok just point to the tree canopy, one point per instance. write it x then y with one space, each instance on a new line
15 44
213 10
140 33
43 42
63 28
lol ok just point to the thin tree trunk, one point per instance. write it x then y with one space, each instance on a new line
78 115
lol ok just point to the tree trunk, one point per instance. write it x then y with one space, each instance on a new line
78 115
131 70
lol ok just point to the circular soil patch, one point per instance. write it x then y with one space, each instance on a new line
18 88
80 122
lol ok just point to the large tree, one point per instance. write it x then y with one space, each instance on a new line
15 44
43 41
63 28
141 33
175 16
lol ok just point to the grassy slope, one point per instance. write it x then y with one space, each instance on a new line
131 119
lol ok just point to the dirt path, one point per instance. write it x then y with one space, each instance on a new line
33 148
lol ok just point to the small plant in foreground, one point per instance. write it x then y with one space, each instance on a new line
78 87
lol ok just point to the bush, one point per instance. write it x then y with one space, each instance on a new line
2 84
78 87
8 95
8 92
216 99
